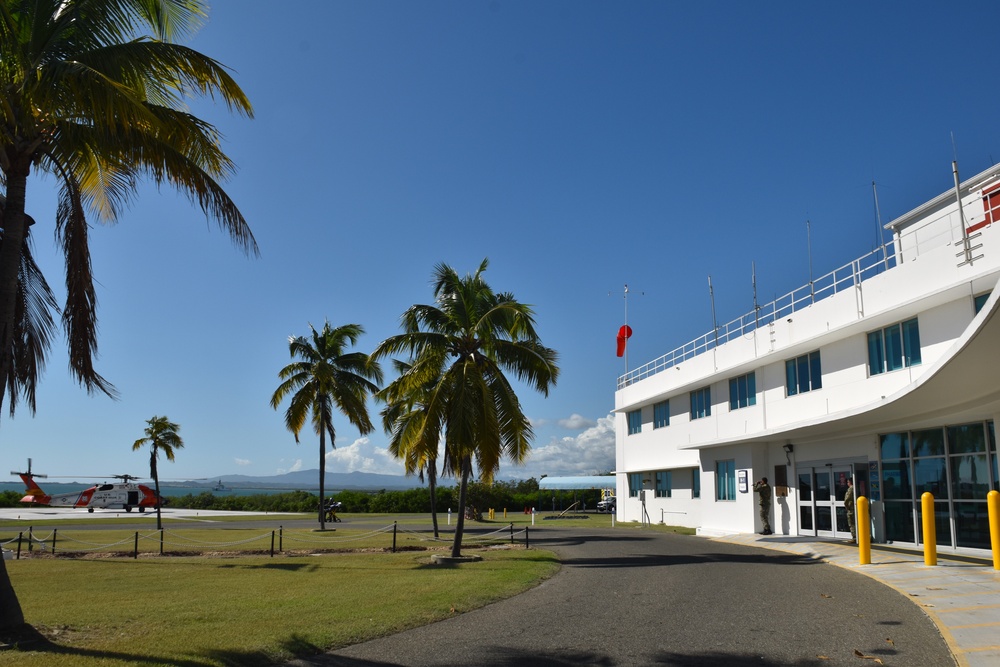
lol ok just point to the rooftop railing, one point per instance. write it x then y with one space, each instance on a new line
850 275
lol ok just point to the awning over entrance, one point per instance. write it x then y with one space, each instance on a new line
575 483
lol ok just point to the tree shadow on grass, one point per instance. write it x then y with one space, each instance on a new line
287 567
30 639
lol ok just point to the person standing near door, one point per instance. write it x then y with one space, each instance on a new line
849 508
764 489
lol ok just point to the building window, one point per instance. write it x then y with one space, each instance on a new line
742 391
696 482
725 480
663 484
701 403
634 421
980 301
661 414
894 347
634 484
803 374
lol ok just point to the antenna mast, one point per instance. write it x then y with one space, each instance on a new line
715 324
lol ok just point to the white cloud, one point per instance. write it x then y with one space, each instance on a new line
591 452
293 468
242 462
363 456
577 422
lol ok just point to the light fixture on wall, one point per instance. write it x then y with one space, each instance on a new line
788 453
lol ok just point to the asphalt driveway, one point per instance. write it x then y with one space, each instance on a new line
631 597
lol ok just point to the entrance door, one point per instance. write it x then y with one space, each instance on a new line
821 501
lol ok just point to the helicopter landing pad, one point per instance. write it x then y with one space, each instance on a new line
64 513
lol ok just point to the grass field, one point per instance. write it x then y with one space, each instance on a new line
247 610
219 598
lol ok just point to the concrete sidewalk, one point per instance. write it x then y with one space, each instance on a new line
961 596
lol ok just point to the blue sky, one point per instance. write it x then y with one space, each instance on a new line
579 145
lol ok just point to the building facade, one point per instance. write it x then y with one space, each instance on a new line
885 371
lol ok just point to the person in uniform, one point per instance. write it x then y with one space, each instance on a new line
764 489
849 508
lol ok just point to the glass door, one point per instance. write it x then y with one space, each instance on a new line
821 501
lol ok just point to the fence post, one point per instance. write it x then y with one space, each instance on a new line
31 539
54 531
135 551
393 537
525 537
281 539
272 544
19 537
161 541
512 532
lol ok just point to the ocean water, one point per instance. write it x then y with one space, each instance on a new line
166 490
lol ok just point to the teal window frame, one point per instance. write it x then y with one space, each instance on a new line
803 374
701 403
634 484
661 414
894 347
743 391
634 418
696 482
664 484
725 480
979 301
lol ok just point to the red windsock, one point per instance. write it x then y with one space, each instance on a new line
624 333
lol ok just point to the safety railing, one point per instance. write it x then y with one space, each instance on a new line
848 276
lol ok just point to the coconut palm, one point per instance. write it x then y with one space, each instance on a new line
411 440
161 436
326 375
92 92
33 325
464 344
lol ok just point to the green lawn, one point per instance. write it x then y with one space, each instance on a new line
246 610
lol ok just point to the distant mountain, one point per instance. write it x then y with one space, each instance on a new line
309 479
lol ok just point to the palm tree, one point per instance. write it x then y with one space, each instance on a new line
325 376
404 418
464 344
161 436
33 325
91 99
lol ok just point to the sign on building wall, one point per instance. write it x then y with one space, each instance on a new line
743 478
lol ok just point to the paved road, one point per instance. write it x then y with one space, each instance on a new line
631 598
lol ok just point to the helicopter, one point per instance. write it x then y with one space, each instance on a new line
124 495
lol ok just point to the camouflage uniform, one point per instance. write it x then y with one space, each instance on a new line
764 489
849 507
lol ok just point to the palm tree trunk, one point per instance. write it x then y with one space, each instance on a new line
456 547
156 483
322 477
10 262
432 485
11 615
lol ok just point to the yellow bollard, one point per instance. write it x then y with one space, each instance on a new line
864 532
993 507
505 512
930 528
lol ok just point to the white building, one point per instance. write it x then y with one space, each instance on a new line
887 370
